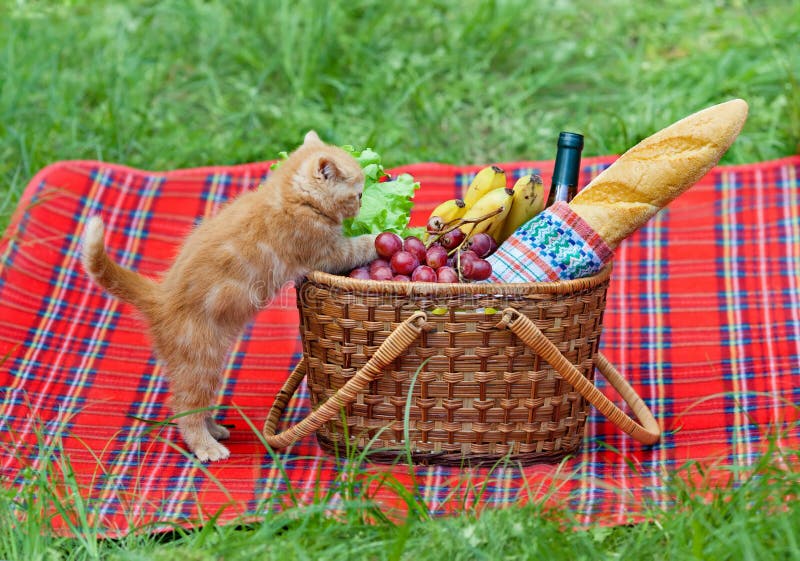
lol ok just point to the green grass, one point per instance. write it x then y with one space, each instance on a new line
169 84
752 514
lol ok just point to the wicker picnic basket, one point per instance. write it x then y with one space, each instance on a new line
453 374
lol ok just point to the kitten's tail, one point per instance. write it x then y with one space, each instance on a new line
123 283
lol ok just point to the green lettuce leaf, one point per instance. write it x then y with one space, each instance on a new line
385 206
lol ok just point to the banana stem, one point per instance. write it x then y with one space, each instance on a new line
495 212
458 222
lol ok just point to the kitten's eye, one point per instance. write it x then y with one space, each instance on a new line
359 196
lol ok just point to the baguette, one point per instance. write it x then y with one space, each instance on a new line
651 174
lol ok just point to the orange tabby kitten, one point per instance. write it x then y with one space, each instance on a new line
230 266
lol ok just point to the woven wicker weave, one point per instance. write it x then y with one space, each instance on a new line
479 393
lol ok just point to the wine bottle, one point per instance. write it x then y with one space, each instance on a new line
567 168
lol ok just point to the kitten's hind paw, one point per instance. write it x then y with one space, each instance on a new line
217 431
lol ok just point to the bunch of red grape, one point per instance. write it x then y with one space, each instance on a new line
410 260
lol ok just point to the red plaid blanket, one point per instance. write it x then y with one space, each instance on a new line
703 317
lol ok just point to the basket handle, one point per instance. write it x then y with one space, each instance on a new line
648 432
392 347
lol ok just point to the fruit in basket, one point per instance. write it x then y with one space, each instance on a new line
482 244
497 212
378 263
434 225
452 239
495 206
404 262
448 211
387 244
487 203
476 269
486 180
381 274
359 273
423 273
464 256
492 246
528 202
436 256
416 247
414 262
446 274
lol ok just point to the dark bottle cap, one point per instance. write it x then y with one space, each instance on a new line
570 140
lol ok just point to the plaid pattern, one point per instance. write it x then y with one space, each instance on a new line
555 244
703 318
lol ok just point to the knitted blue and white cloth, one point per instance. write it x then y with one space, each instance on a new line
556 244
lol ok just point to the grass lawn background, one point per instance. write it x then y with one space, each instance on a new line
169 84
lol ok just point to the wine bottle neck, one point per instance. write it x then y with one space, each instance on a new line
567 168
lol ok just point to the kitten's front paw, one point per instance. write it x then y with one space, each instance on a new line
211 452
371 254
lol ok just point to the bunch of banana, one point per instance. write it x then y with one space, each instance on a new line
496 204
528 202
488 179
487 196
450 210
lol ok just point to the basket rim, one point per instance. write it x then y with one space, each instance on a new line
371 287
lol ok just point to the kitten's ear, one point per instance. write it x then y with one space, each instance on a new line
327 168
312 138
